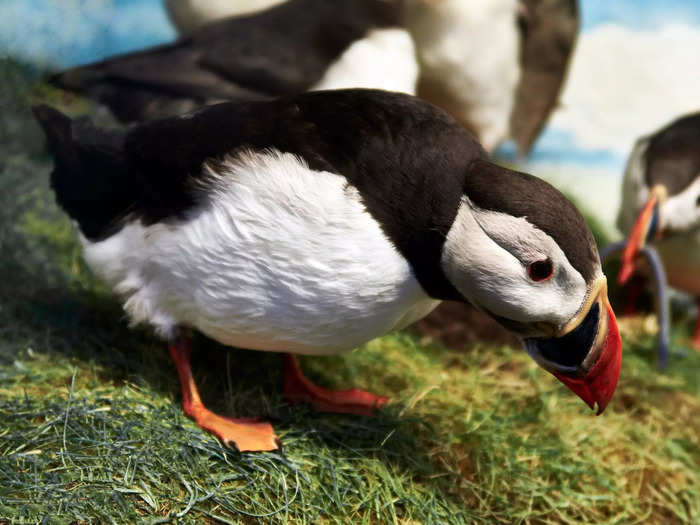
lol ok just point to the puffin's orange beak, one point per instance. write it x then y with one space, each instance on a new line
598 385
645 228
588 356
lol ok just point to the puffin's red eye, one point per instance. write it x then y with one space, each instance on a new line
540 270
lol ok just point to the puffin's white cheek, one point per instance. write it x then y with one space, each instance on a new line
484 258
681 212
536 302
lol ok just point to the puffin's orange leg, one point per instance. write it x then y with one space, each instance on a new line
246 434
298 389
696 337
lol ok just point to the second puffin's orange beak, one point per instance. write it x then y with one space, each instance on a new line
645 228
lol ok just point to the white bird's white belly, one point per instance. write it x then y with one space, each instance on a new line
188 15
468 55
280 258
384 59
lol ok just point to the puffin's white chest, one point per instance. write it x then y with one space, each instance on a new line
281 258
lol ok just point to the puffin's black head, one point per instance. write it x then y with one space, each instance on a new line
521 251
670 160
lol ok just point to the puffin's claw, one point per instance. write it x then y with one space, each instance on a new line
246 435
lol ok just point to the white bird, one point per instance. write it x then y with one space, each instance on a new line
496 65
314 223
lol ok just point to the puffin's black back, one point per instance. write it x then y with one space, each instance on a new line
91 178
407 158
673 155
280 51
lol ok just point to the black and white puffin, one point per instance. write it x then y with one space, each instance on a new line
661 204
313 223
496 65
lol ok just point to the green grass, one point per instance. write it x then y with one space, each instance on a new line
91 429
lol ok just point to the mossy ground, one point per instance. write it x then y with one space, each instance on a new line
91 429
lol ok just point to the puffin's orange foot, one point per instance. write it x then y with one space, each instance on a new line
298 389
247 435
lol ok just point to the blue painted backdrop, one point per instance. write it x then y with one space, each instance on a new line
636 66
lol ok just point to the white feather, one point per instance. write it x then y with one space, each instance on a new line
384 59
680 213
468 53
188 15
279 258
486 257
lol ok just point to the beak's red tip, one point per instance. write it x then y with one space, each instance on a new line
598 386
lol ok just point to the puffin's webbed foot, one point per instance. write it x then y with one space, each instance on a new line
245 434
298 389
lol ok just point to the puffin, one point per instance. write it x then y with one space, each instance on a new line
497 66
661 205
312 223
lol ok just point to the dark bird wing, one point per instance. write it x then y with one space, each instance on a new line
283 50
549 29
89 172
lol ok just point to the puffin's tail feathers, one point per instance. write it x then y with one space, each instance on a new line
56 126
90 177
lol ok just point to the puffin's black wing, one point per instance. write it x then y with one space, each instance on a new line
283 50
548 32
166 80
91 177
407 159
